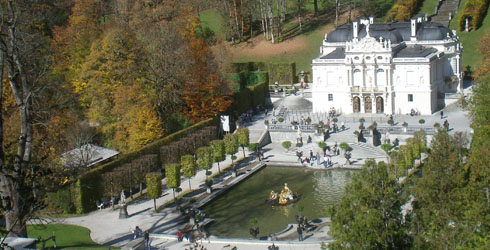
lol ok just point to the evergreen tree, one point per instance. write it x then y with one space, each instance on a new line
369 214
439 197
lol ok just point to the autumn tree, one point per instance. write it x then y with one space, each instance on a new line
24 53
205 93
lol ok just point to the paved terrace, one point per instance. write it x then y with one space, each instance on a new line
107 228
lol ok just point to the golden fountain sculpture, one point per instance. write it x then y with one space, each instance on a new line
285 197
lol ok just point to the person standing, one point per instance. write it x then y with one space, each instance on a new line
300 232
147 240
442 114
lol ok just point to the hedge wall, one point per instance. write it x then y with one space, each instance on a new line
250 97
247 78
248 66
89 187
283 73
475 11
402 10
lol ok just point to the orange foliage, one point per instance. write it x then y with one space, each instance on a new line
205 94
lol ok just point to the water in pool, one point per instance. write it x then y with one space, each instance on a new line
233 210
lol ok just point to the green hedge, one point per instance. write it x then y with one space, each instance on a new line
249 66
402 10
89 187
250 97
475 11
283 73
247 79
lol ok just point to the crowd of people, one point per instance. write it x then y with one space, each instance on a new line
326 159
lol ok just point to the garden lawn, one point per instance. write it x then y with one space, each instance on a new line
428 7
470 40
213 20
67 236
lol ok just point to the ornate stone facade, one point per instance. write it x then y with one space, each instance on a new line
387 68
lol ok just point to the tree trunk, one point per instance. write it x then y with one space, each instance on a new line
350 12
315 6
236 20
15 218
271 21
190 184
263 17
155 204
14 191
337 6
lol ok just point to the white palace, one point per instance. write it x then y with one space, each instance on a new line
388 68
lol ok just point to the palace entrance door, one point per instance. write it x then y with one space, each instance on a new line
368 105
356 103
379 104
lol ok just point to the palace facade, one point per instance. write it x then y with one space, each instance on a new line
390 68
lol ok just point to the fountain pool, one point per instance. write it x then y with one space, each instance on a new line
233 210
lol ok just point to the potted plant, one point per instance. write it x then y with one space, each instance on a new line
308 120
405 126
344 147
286 145
322 145
254 229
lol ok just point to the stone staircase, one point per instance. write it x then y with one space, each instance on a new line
448 8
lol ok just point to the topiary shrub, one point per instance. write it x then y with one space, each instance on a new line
188 167
345 146
153 187
172 174
286 144
299 145
322 145
335 119
390 122
242 136
280 119
362 120
218 151
421 121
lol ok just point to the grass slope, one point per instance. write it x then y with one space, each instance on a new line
428 7
470 40
67 236
302 47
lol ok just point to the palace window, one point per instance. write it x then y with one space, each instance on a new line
330 97
410 97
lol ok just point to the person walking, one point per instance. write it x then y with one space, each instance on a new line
137 232
147 240
442 114
300 232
